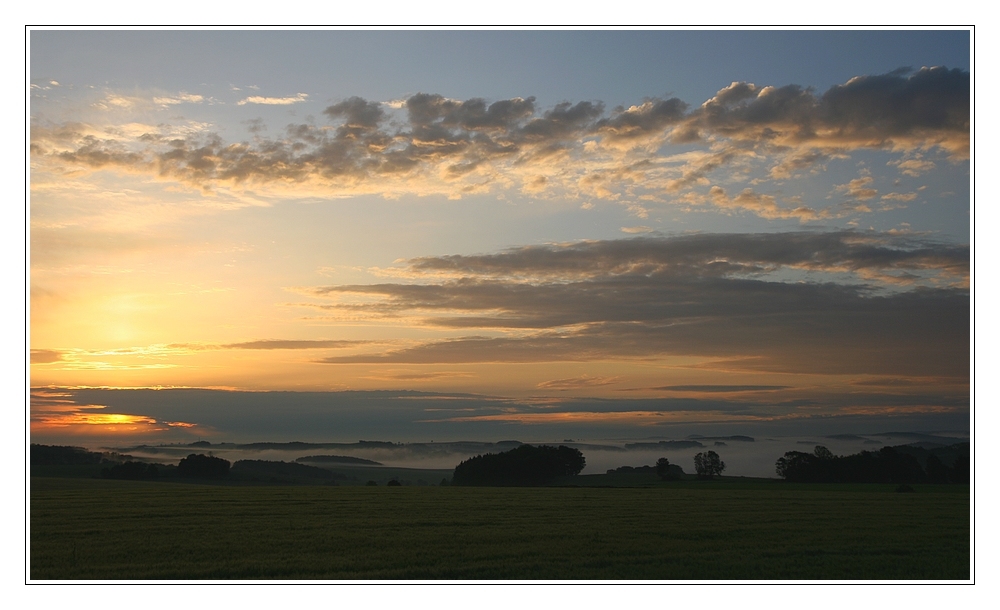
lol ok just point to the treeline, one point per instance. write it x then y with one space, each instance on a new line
663 469
526 465
900 465
56 455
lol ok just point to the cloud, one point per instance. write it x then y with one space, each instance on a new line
712 296
901 111
151 356
291 344
725 389
576 383
765 206
427 143
45 356
858 189
180 98
899 196
913 167
273 101
639 229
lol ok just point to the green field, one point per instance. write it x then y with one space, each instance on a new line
734 530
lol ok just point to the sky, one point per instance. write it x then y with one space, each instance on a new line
412 235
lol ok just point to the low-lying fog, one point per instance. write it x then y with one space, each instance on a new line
743 455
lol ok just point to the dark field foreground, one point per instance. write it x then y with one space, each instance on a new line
104 529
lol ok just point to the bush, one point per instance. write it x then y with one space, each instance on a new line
394 483
526 465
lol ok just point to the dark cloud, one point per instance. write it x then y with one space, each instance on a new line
930 106
711 255
697 295
652 116
409 415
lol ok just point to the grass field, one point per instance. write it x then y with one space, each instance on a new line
104 529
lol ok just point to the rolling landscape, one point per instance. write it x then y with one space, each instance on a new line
500 306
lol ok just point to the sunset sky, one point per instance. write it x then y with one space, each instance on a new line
497 234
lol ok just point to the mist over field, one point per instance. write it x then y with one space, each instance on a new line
744 456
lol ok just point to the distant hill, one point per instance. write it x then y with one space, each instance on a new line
337 459
263 470
664 445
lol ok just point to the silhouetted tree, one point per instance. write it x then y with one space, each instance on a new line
884 466
823 453
795 466
394 483
371 484
55 454
203 467
667 471
524 465
708 465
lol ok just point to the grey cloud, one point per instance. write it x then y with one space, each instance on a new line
931 105
387 415
698 295
652 116
357 113
710 254
472 115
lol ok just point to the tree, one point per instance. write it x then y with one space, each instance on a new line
524 465
667 471
708 465
823 453
937 472
203 467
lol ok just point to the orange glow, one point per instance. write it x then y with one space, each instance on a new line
97 419
53 415
633 417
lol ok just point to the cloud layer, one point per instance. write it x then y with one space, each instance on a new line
428 143
867 303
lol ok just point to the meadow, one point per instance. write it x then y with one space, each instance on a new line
736 529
